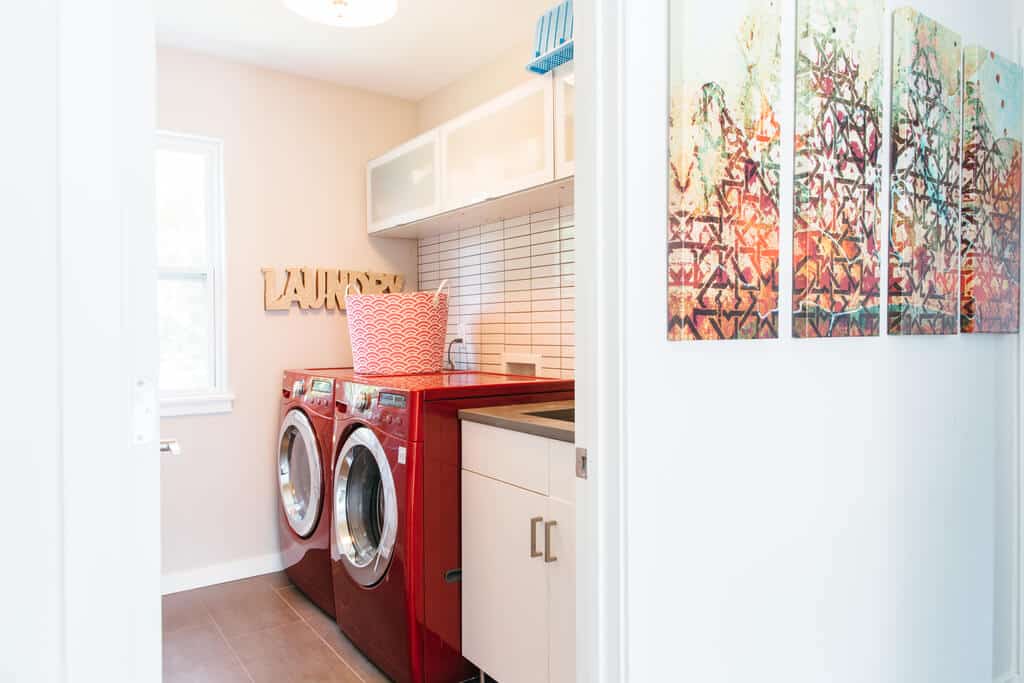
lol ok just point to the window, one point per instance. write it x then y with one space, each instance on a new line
188 179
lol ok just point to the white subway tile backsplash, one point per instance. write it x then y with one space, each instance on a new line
543 238
492 276
492 297
492 287
546 316
512 289
517 231
515 263
545 282
545 271
518 220
518 285
544 226
544 260
517 307
541 294
518 317
550 214
546 248
547 305
519 253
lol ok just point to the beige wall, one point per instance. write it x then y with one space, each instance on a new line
295 154
486 83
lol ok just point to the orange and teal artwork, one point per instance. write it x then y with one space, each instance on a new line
990 226
838 168
925 178
724 165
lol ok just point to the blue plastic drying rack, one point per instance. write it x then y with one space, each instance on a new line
553 45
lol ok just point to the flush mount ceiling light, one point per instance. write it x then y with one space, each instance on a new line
344 13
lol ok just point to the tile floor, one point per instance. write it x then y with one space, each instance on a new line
255 630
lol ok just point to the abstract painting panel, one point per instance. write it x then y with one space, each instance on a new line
990 223
724 160
838 171
924 244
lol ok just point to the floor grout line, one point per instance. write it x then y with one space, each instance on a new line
231 647
277 592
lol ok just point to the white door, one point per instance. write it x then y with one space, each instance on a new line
504 580
84 602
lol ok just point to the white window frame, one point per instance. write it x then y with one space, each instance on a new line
218 398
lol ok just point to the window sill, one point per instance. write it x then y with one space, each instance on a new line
196 404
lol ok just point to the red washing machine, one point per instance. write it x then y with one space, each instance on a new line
395 539
305 447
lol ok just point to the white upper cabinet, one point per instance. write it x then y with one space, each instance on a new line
404 185
514 148
500 147
565 121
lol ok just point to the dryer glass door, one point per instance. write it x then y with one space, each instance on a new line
299 473
365 508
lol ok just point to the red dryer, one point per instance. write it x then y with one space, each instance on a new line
305 447
395 538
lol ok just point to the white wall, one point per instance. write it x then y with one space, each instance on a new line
479 86
295 153
801 510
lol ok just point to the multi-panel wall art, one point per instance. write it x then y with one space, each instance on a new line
990 225
724 138
955 154
838 171
924 244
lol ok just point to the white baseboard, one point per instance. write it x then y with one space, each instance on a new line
219 573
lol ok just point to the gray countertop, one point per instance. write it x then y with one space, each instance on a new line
518 418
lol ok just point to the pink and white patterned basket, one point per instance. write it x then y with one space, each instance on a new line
398 334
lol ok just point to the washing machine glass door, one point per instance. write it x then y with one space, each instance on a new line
299 473
365 508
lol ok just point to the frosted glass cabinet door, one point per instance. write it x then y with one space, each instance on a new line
565 121
404 185
500 147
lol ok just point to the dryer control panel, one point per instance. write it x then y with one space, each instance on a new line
382 408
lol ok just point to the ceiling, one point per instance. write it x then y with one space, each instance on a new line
429 44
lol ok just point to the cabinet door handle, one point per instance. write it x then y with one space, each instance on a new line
548 557
533 536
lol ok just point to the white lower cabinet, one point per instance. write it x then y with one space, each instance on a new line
518 564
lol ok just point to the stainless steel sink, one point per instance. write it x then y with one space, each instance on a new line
565 414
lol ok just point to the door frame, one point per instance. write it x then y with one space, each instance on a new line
601 550
1016 673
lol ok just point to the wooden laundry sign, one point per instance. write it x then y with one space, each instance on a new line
312 288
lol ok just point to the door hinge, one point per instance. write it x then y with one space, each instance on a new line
582 464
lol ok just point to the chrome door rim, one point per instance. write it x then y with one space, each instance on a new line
365 568
302 524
